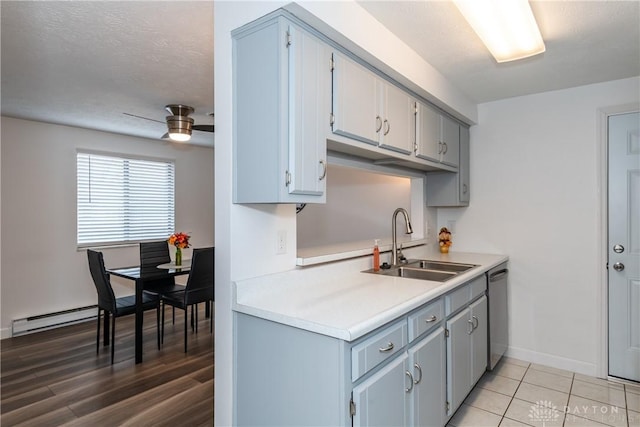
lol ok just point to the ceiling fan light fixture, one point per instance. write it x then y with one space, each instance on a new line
506 27
179 128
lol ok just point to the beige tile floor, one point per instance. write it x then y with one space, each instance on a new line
519 393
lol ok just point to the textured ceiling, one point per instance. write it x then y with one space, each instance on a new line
85 63
586 42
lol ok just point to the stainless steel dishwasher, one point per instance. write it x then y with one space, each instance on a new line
497 278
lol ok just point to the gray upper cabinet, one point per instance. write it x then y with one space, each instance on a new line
282 89
370 109
448 189
437 136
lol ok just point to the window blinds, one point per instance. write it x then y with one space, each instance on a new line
124 200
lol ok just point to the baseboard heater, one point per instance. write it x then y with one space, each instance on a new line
43 322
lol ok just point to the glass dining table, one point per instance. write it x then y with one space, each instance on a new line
140 275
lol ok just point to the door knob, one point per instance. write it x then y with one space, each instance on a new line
618 266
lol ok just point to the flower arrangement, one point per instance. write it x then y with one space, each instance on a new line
444 239
179 240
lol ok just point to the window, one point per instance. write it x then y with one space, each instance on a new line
124 200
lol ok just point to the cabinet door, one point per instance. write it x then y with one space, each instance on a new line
428 133
309 105
356 106
450 135
382 400
479 344
458 359
398 124
427 362
464 188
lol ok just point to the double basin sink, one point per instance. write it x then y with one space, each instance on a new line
437 271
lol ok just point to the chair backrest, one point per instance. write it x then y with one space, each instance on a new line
200 281
153 254
106 297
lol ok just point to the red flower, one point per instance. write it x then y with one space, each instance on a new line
179 240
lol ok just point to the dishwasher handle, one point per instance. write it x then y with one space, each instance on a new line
494 277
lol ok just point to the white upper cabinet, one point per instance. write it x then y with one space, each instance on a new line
355 101
371 109
309 98
282 89
437 136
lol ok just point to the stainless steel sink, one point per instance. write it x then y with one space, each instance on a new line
453 267
419 273
437 271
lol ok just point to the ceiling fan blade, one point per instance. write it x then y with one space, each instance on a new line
203 128
144 118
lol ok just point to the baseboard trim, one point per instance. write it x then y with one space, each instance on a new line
553 361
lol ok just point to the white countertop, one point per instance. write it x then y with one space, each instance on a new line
346 304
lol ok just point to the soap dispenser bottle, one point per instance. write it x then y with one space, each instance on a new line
376 256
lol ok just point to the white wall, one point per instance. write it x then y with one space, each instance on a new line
42 270
535 197
359 207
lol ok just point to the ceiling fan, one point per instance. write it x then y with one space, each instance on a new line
179 124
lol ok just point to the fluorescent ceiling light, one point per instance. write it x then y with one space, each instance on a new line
506 27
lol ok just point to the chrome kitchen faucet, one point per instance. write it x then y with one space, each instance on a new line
394 245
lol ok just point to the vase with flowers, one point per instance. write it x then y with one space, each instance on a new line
180 241
444 240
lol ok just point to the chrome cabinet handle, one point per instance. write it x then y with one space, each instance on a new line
379 124
470 322
618 266
407 373
417 366
439 147
431 319
388 127
464 189
477 322
444 144
389 347
324 170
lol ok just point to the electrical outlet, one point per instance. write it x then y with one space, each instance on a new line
281 242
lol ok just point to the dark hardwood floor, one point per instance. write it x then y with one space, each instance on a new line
55 378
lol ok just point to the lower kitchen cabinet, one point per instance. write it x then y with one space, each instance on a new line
466 351
383 399
410 391
428 396
401 374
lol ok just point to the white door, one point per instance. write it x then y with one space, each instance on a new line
624 246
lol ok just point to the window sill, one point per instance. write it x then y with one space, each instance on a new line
342 251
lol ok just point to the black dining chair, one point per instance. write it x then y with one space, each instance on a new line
153 254
116 307
199 289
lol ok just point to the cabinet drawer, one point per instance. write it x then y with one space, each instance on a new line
377 349
425 319
457 299
465 294
478 286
